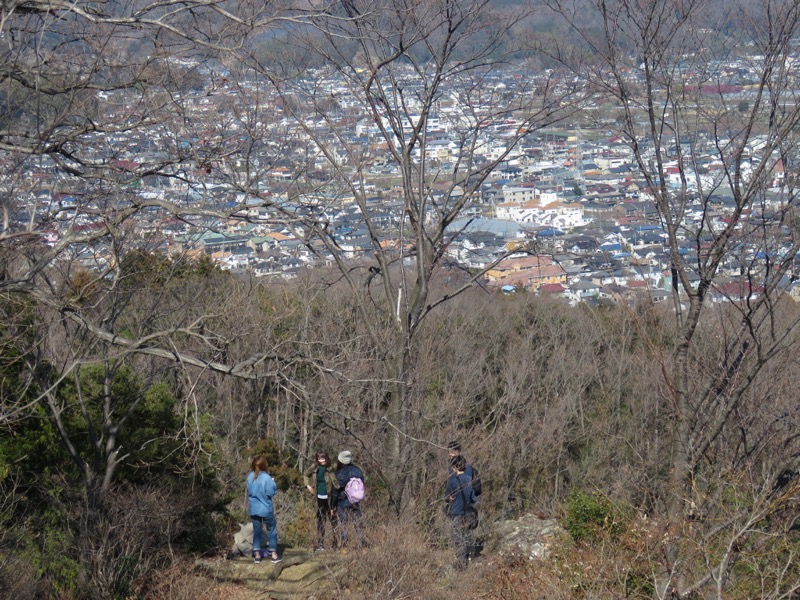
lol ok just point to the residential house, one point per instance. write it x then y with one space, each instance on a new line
581 290
530 272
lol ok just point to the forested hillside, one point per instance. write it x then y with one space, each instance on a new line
233 229
549 400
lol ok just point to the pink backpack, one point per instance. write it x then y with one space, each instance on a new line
354 490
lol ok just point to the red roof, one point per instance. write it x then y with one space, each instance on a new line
125 165
740 289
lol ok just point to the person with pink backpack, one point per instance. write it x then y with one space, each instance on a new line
349 497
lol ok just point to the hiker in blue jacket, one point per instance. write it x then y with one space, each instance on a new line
349 514
260 490
453 450
459 496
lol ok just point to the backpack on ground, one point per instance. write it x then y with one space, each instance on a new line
354 490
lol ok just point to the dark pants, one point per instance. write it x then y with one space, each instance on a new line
463 538
350 518
325 515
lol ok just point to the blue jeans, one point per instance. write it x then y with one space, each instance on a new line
272 532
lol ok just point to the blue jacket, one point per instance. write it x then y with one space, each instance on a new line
260 491
459 494
468 469
343 475
474 477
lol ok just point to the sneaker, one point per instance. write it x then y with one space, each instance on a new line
257 557
319 548
275 559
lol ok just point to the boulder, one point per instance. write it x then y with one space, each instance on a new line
243 541
528 536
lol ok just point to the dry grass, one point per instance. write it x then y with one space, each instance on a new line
19 580
405 562
182 582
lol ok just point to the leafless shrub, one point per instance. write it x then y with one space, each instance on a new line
19 579
131 538
178 581
18 576
405 561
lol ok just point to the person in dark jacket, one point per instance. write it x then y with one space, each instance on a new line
459 495
349 514
453 450
320 479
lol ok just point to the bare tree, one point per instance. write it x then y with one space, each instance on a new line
106 139
667 66
99 101
416 84
101 106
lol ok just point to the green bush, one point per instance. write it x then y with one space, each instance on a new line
47 554
284 475
639 584
590 515
297 519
